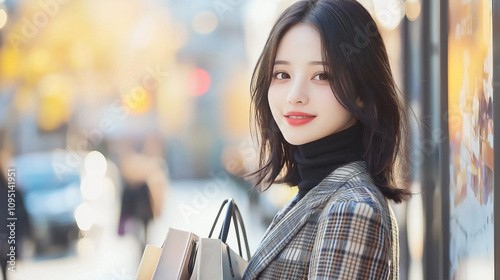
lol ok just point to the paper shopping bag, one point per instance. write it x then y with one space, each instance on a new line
216 260
148 262
177 250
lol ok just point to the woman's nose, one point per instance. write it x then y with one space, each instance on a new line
298 93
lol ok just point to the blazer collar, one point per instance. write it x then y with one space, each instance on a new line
286 225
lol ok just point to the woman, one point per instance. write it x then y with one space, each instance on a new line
330 121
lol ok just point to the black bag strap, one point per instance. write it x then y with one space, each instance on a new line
217 219
237 217
232 213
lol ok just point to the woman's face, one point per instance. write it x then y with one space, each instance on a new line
301 100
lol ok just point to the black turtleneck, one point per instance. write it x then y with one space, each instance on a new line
316 160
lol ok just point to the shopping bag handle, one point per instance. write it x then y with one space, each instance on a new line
232 213
237 219
225 226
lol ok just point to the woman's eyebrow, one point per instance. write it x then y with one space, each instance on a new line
284 62
316 63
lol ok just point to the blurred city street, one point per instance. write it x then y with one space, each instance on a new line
189 205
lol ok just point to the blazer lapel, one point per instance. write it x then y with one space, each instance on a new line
278 236
289 223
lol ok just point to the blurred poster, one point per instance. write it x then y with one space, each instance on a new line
470 101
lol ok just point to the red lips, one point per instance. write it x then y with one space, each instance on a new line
298 118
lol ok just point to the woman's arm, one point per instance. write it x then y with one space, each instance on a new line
351 243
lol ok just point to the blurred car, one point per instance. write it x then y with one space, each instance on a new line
50 183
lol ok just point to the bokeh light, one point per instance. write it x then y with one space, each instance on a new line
412 9
388 13
55 99
92 187
95 164
84 216
138 101
198 81
3 18
204 22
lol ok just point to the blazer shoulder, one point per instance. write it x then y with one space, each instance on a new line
360 191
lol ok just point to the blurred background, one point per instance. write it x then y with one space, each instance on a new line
124 118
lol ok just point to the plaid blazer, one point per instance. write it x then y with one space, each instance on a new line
341 229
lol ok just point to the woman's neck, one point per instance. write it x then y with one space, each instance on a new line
316 160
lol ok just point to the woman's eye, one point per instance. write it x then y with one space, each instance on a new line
320 77
281 76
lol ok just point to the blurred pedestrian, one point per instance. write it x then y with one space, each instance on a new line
330 120
144 185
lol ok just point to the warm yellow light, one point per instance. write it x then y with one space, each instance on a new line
138 100
55 104
412 9
39 62
10 63
204 22
3 18
52 112
174 105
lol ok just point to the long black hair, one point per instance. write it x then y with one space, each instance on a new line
358 68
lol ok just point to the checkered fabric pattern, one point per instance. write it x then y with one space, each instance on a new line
342 229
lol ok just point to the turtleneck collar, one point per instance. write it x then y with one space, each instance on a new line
316 160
